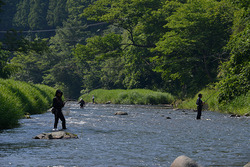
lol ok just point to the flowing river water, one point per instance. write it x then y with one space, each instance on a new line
144 137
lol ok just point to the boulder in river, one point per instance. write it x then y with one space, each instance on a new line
247 165
27 116
184 161
56 135
247 114
121 113
234 115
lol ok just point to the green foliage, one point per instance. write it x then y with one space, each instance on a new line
57 12
95 60
39 14
32 60
7 12
235 73
18 98
21 16
31 67
241 3
130 96
192 48
138 70
99 48
134 16
6 69
9 110
232 95
239 105
38 8
66 71
66 76
174 46
209 95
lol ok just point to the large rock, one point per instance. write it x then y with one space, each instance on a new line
247 165
234 115
184 161
247 114
56 135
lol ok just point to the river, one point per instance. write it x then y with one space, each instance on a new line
144 137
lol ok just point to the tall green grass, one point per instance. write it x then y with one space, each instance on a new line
239 105
131 96
18 98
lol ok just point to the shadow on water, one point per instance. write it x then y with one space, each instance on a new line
144 137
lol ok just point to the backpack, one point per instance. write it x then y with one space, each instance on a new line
198 102
53 110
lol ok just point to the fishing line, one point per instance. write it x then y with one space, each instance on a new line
210 96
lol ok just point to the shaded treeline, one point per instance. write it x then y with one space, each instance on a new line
176 46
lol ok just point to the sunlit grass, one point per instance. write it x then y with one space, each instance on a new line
131 96
18 98
239 105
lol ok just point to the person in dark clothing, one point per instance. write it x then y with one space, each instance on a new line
199 104
93 99
82 103
58 104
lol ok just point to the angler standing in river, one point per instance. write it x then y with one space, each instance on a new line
82 103
58 104
199 104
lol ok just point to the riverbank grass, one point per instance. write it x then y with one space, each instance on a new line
19 98
130 96
240 105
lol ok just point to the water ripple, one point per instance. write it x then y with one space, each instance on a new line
144 137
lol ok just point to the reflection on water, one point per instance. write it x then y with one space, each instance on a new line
144 137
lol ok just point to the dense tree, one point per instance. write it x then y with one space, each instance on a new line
38 9
191 51
95 56
22 15
130 15
57 12
65 73
7 12
39 14
235 73
31 57
6 69
142 26
185 38
1 3
173 45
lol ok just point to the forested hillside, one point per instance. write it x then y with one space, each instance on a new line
176 46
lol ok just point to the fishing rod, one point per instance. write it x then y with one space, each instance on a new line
209 97
212 94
